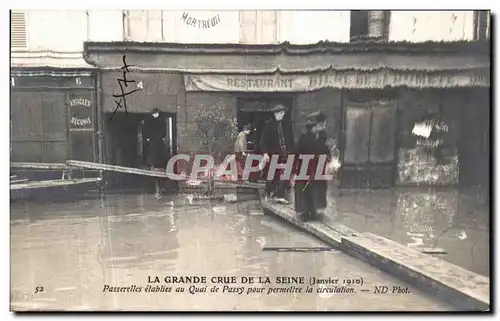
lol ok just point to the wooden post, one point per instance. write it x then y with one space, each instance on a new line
157 188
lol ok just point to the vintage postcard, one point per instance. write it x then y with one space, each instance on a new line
250 160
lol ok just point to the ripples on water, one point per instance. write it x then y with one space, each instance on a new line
73 249
455 221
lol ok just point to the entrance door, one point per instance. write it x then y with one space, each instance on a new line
369 158
170 134
256 111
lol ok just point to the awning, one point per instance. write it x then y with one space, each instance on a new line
339 79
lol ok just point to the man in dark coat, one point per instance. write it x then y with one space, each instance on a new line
310 194
155 130
276 139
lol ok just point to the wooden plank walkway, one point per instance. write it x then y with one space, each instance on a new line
159 174
115 168
464 289
53 183
461 287
44 166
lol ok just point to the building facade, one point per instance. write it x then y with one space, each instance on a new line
380 77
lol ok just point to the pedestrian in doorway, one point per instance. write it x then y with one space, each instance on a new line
277 139
310 194
155 130
240 149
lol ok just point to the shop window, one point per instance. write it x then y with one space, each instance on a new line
428 153
18 33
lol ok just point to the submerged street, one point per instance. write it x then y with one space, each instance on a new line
73 249
454 221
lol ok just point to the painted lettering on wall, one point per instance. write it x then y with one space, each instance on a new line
79 111
80 121
80 102
255 83
200 23
332 79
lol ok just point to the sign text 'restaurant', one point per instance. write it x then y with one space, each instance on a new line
257 83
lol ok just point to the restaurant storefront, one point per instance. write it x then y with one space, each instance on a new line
376 97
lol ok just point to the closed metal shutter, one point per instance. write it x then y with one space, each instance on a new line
18 29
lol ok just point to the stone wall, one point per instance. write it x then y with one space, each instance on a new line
160 90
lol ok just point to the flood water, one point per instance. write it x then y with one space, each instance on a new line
74 249
447 219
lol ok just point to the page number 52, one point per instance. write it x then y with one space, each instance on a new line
39 289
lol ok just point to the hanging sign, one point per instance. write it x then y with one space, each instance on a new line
332 79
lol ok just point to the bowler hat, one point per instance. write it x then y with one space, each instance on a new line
317 117
278 108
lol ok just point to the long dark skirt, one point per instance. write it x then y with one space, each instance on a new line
310 198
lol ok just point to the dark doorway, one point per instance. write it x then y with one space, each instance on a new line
125 144
256 111
369 145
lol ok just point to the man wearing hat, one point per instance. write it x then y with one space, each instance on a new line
276 139
155 130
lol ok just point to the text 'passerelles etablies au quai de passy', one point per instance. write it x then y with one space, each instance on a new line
247 285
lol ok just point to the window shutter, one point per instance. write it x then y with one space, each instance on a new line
248 26
18 29
268 27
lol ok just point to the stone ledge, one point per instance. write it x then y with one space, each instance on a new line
464 289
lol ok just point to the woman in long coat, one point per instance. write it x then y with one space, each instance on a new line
310 194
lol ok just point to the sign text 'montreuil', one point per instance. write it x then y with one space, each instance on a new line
200 23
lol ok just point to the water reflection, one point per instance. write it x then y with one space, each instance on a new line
421 218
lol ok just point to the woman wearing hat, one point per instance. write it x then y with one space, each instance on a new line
310 194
